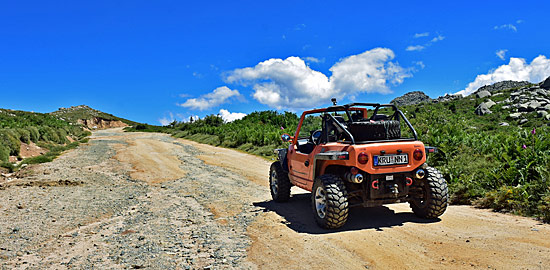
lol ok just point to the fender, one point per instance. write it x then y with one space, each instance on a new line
329 155
282 157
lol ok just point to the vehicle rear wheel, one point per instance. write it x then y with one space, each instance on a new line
279 183
432 196
329 201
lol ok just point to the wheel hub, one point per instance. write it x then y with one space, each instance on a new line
320 202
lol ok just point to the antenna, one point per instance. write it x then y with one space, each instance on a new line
333 101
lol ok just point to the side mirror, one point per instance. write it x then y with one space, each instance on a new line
285 137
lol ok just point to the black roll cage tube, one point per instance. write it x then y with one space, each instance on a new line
377 106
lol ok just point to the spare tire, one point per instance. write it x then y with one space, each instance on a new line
375 130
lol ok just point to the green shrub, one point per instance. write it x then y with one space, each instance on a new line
8 166
4 154
85 133
24 135
48 134
37 159
9 140
34 133
62 135
544 207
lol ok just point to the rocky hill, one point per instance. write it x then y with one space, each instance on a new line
520 104
411 98
499 86
514 101
90 118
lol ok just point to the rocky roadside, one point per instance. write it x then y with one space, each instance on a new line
515 99
84 211
532 98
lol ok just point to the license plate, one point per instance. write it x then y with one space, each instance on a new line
391 160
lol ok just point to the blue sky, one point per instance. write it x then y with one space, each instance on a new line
161 60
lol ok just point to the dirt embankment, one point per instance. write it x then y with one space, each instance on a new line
142 200
100 123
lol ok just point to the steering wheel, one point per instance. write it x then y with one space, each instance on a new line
316 137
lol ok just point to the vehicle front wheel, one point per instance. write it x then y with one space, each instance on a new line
431 196
279 183
329 200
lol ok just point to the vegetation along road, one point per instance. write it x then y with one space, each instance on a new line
147 200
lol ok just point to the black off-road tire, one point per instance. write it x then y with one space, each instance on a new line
279 184
435 195
331 190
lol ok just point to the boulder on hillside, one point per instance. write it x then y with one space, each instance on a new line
411 98
482 109
483 94
446 98
490 103
523 121
526 107
546 84
533 105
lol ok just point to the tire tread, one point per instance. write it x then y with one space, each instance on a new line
437 199
337 207
284 185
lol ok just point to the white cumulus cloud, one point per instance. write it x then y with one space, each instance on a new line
371 71
501 54
291 83
230 116
283 83
413 48
219 96
516 70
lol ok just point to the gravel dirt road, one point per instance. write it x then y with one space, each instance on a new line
149 201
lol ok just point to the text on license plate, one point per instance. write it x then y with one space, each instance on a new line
391 160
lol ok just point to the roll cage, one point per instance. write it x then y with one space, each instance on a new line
358 107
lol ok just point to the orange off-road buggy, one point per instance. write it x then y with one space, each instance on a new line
347 159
